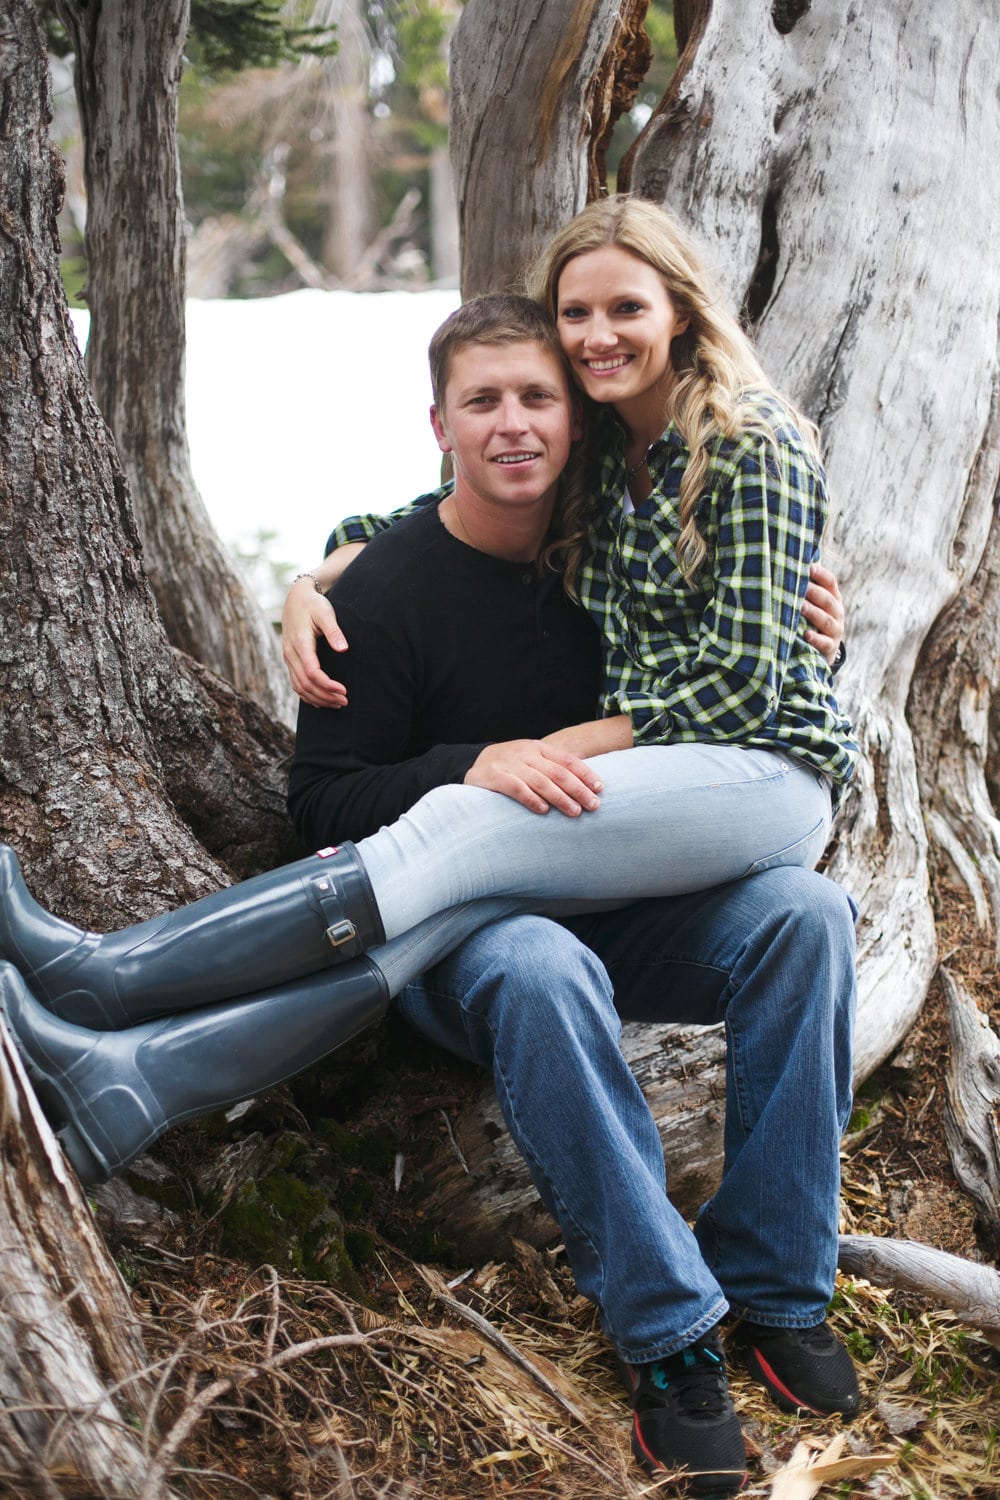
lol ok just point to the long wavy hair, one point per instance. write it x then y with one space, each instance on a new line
718 378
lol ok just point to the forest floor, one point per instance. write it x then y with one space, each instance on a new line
496 1380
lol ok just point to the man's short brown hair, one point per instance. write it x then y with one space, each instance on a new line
495 318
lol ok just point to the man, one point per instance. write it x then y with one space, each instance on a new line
460 645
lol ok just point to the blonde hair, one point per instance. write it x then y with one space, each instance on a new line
717 373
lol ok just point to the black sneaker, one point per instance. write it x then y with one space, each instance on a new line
685 1421
803 1369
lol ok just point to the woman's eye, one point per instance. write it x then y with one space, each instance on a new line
630 307
572 312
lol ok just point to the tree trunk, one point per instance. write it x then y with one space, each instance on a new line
69 1339
445 264
830 157
112 743
847 259
128 68
347 230
533 93
109 740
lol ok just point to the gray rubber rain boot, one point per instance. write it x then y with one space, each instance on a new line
263 932
108 1095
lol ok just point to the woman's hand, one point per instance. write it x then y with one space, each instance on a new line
823 608
538 775
306 616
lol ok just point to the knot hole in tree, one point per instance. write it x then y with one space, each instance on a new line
785 13
758 293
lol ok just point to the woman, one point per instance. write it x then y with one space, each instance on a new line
695 561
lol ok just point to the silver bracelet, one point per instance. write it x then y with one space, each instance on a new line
315 582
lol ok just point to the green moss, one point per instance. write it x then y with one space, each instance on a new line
341 1144
357 1198
291 1199
289 1223
131 1273
376 1153
424 1243
252 1231
168 1193
359 1245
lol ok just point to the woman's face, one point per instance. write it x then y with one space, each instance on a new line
616 321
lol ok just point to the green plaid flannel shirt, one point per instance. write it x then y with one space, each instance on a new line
726 659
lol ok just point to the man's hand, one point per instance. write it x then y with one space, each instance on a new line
538 775
823 608
595 737
306 616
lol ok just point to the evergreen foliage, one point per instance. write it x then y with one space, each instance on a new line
228 35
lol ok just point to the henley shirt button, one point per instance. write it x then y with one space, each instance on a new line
527 577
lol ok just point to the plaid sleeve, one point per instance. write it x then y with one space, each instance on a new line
363 528
763 520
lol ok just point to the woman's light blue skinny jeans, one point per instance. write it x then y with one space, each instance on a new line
672 819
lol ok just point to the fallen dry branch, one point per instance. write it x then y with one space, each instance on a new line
970 1290
972 1112
552 1385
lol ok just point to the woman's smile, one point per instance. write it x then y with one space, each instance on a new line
616 323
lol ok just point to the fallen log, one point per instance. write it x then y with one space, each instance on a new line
966 1288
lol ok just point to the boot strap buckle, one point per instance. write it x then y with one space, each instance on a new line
341 933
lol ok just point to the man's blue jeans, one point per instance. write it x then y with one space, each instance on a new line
773 957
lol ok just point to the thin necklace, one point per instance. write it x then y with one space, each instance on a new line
633 471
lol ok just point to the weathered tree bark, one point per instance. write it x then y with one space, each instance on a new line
972 1108
830 159
72 1361
829 165
445 267
533 93
128 68
112 745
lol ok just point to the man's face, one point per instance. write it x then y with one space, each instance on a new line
508 419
